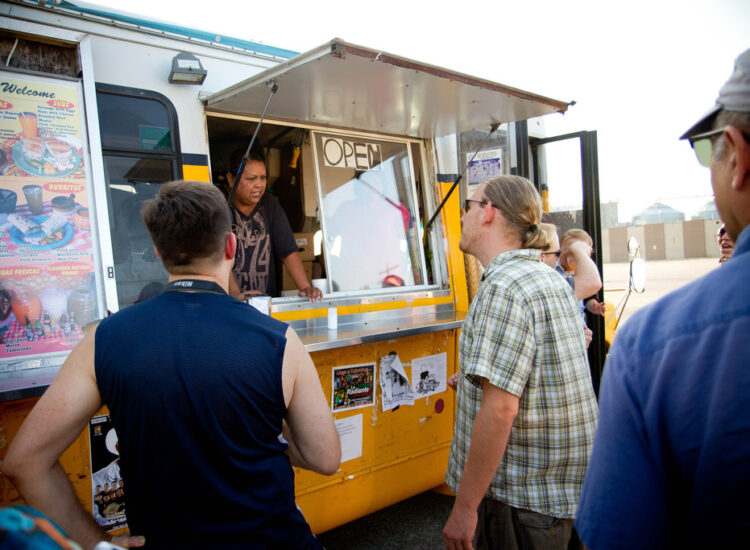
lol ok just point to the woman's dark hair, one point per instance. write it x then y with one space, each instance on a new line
236 158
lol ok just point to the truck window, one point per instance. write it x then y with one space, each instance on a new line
369 213
141 150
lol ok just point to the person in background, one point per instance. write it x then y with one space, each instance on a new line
526 411
200 387
583 269
263 235
550 257
671 461
726 243
551 254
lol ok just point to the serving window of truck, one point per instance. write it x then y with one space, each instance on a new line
362 147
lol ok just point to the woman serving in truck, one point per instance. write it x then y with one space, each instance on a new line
263 234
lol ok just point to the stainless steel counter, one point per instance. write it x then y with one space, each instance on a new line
376 326
21 382
31 382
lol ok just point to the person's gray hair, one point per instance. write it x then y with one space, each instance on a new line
739 120
521 205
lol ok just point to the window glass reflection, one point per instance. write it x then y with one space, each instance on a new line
130 182
369 216
560 170
133 123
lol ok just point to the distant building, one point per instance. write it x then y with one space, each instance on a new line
609 215
708 212
570 217
658 213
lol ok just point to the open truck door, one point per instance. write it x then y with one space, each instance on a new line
566 173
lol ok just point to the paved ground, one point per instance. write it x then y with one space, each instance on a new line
414 524
417 523
662 277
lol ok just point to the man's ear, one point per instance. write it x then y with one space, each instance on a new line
230 179
740 157
230 246
488 214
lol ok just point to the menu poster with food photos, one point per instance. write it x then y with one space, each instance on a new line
47 289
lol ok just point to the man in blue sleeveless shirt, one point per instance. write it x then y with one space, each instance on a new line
200 386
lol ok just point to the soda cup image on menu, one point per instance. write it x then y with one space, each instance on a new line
33 198
29 125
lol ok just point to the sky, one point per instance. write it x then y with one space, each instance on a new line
641 72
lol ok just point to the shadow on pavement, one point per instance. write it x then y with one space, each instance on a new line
416 523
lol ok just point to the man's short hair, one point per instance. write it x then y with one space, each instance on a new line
578 235
741 121
520 203
188 222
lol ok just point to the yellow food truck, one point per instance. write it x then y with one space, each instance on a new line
97 109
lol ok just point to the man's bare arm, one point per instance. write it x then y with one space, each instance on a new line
32 461
314 442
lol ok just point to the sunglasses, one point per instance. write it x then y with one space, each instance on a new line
556 253
703 146
467 204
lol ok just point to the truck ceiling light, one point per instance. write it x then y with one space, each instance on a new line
187 69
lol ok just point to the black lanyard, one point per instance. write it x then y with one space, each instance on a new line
194 285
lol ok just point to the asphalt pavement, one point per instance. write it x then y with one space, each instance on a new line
413 524
662 277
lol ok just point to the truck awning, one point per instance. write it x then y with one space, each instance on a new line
348 86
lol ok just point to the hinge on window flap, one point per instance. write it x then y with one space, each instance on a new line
338 50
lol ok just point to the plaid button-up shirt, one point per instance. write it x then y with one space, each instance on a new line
523 333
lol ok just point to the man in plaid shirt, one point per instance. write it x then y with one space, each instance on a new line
526 412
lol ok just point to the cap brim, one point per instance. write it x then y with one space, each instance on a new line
704 124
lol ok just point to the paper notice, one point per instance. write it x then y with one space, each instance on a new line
394 383
261 303
350 435
430 374
352 387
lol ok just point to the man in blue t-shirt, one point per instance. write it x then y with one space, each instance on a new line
670 466
200 388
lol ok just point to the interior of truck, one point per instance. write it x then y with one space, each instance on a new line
360 197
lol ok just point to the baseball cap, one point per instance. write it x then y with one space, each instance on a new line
733 96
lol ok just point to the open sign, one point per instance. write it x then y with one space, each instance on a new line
359 155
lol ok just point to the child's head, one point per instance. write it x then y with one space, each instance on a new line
573 235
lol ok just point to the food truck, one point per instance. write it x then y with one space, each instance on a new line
364 149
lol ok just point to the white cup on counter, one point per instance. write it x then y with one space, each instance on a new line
333 320
321 284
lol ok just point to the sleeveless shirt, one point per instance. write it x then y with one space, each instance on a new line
193 384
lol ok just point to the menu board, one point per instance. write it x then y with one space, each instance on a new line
47 288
